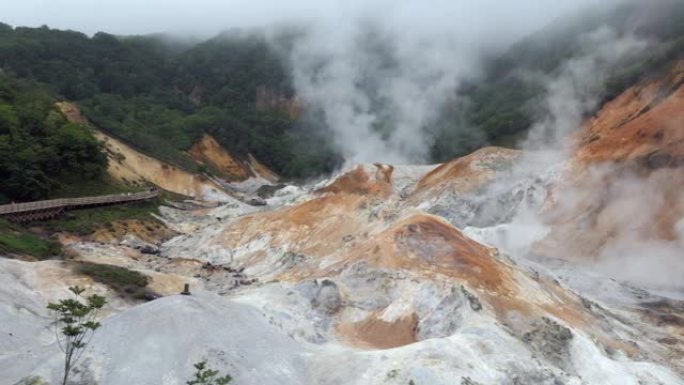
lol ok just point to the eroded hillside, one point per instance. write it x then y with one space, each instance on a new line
133 167
625 183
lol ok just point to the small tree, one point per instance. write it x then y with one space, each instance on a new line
204 376
75 325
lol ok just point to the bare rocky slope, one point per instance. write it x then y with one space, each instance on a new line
490 269
134 167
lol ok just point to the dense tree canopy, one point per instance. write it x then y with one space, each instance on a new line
38 147
161 95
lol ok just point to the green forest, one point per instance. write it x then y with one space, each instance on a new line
39 149
161 95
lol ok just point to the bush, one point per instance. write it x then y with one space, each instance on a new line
86 221
125 282
205 376
16 240
75 324
38 147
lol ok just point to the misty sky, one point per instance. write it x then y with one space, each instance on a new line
206 17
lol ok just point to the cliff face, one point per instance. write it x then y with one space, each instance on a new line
490 269
210 152
131 166
269 99
644 124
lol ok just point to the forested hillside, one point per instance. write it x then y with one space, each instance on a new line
39 150
161 95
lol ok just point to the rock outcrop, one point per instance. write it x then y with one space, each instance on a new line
622 198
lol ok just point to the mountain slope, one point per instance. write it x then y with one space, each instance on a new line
132 167
354 281
626 179
162 95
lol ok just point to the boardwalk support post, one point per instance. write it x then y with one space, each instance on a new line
186 290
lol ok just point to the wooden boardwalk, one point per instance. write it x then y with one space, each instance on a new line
31 211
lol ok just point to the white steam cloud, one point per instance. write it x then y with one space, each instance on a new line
619 212
378 70
576 90
624 208
380 73
377 110
636 251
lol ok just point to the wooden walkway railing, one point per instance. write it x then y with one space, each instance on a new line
58 205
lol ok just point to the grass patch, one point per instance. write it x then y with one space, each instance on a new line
85 221
126 282
16 240
106 185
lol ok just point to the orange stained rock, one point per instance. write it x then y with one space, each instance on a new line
374 332
210 152
262 170
420 244
360 181
466 173
71 112
641 121
426 244
626 176
316 227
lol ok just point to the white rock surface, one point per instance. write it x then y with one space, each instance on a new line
283 308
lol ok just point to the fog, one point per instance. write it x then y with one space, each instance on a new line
207 17
605 217
378 71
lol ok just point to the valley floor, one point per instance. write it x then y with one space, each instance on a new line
360 280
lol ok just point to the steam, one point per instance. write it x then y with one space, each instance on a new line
380 73
639 251
623 211
628 208
377 103
575 91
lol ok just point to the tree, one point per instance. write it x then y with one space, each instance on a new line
204 376
75 325
8 119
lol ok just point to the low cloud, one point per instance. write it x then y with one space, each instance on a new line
380 73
